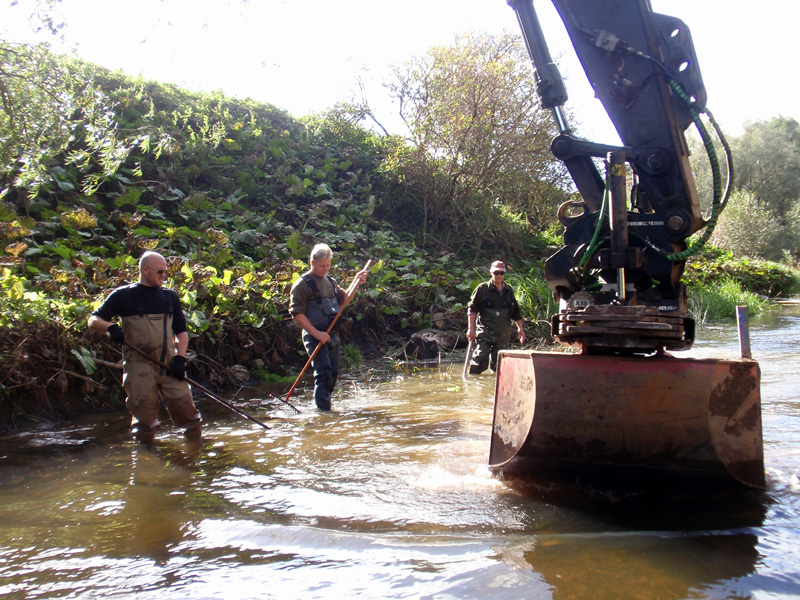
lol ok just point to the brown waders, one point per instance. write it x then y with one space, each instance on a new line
144 381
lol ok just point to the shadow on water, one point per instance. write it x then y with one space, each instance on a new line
664 505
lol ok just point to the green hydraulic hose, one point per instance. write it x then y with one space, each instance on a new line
593 244
719 200
718 203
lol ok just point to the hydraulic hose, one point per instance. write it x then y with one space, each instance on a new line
719 199
594 244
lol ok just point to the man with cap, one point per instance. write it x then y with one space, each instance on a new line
494 308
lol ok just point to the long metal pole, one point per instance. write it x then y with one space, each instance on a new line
466 360
743 325
618 218
206 391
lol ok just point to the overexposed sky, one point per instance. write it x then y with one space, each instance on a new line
305 55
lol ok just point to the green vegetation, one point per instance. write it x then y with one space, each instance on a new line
351 356
758 276
718 300
536 302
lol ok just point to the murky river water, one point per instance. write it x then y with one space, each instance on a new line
388 497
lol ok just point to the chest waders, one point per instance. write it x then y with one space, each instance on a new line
493 332
145 382
320 312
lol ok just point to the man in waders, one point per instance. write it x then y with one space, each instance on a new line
152 320
494 307
315 300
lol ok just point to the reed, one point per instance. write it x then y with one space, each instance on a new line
718 300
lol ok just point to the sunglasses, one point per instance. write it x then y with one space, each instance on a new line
499 273
159 271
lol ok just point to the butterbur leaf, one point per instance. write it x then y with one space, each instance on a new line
86 360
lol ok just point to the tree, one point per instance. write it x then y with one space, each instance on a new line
767 159
55 114
749 228
478 141
760 220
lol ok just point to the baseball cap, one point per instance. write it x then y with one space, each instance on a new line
498 265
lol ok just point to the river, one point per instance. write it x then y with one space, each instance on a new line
387 497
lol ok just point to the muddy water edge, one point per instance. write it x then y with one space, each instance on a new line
390 497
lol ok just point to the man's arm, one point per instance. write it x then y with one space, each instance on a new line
182 343
303 321
521 331
113 330
473 309
95 323
517 317
471 318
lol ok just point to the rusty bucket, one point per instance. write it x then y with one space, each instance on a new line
696 416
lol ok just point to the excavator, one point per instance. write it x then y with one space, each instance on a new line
617 400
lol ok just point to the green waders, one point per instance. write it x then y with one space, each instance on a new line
493 335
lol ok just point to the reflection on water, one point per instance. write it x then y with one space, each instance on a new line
644 565
388 497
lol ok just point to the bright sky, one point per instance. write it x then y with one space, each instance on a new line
305 55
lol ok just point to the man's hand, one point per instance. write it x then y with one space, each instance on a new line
177 368
471 334
116 334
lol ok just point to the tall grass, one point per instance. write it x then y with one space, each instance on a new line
719 299
534 295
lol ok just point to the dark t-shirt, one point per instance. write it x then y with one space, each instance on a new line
138 299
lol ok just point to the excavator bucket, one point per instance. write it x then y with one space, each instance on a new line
557 413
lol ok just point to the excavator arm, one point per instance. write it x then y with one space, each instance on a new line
623 406
618 275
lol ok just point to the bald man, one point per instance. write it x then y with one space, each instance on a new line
151 319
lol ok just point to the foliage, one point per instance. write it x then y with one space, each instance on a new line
757 276
767 159
351 357
743 235
478 143
265 376
718 300
761 219
535 300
